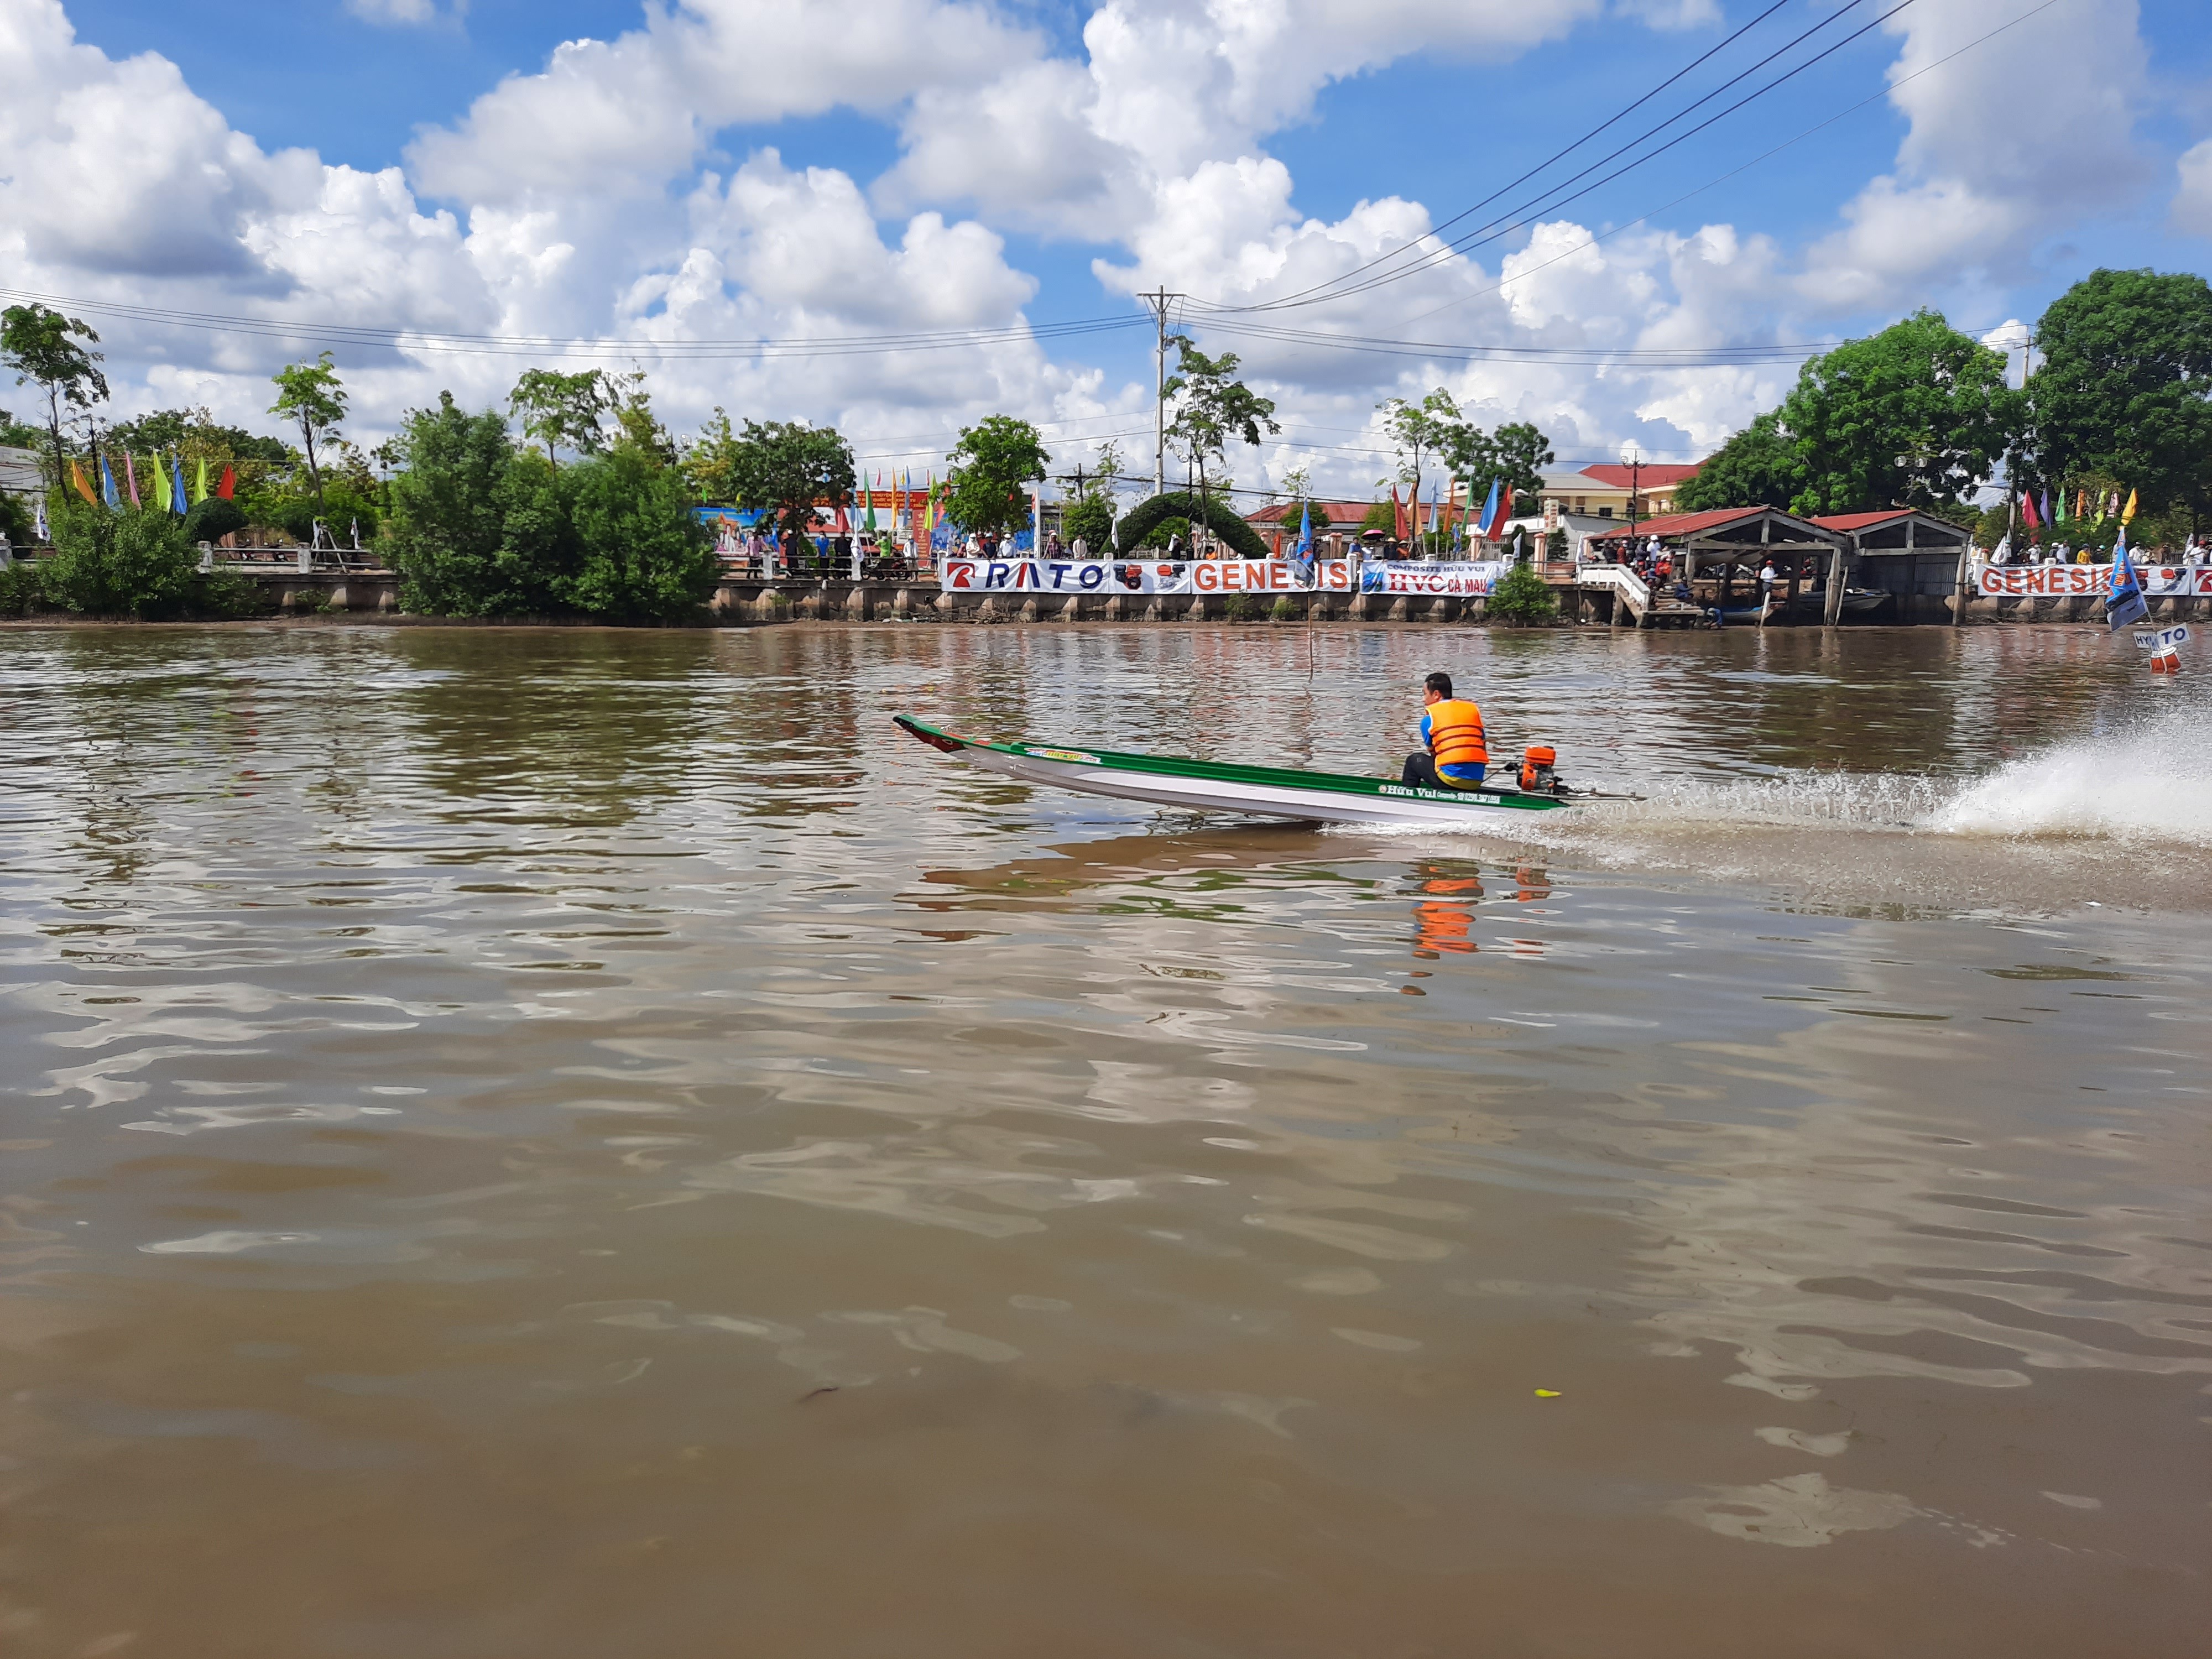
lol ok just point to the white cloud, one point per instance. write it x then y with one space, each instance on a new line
605 197
632 114
403 12
1979 178
1166 88
2192 203
208 222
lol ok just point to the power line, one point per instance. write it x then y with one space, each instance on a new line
1549 200
410 339
1744 167
1618 115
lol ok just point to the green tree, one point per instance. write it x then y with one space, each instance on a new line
212 519
448 510
1212 406
1913 416
644 556
636 427
311 396
1090 518
42 347
1757 467
16 522
558 410
1381 516
1303 508
118 564
1433 426
1522 453
1151 521
19 434
196 433
710 461
786 467
988 467
2125 387
1166 532
1521 597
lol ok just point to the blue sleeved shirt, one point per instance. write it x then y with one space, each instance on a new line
1465 774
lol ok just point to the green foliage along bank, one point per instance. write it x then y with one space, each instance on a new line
481 528
138 565
1522 597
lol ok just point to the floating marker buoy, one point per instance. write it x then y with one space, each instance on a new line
1547 1393
2165 661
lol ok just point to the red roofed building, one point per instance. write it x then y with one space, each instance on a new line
1277 525
1602 491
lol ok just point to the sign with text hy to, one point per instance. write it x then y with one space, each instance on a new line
2078 581
2165 638
1108 577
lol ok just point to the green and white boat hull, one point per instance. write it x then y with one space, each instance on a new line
1213 786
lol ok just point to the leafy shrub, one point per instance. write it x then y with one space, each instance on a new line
15 520
115 564
1286 609
1522 597
645 557
1243 607
212 519
23 589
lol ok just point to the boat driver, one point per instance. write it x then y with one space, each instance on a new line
1453 755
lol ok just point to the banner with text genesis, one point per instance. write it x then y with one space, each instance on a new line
2077 581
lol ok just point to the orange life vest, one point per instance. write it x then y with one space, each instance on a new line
1455 733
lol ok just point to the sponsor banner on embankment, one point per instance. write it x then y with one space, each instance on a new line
1106 577
1470 580
2078 581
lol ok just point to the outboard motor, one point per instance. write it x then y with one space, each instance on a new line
1537 777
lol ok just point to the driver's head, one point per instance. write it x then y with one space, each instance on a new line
1435 689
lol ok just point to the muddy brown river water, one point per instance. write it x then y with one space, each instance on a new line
562 1144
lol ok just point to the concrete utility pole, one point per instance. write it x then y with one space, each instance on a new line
1634 457
1158 302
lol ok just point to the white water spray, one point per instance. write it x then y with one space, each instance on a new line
2151 780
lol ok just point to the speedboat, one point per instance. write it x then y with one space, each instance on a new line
1270 791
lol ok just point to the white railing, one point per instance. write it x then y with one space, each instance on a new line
1621 579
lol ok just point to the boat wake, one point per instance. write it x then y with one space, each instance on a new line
2152 782
2149 782
1889 838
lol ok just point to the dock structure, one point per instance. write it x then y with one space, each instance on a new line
1920 560
1894 566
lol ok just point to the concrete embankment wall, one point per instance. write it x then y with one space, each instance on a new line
756 601
773 602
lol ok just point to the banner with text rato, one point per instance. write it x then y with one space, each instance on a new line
1105 578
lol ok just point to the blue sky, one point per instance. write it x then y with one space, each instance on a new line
710 177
